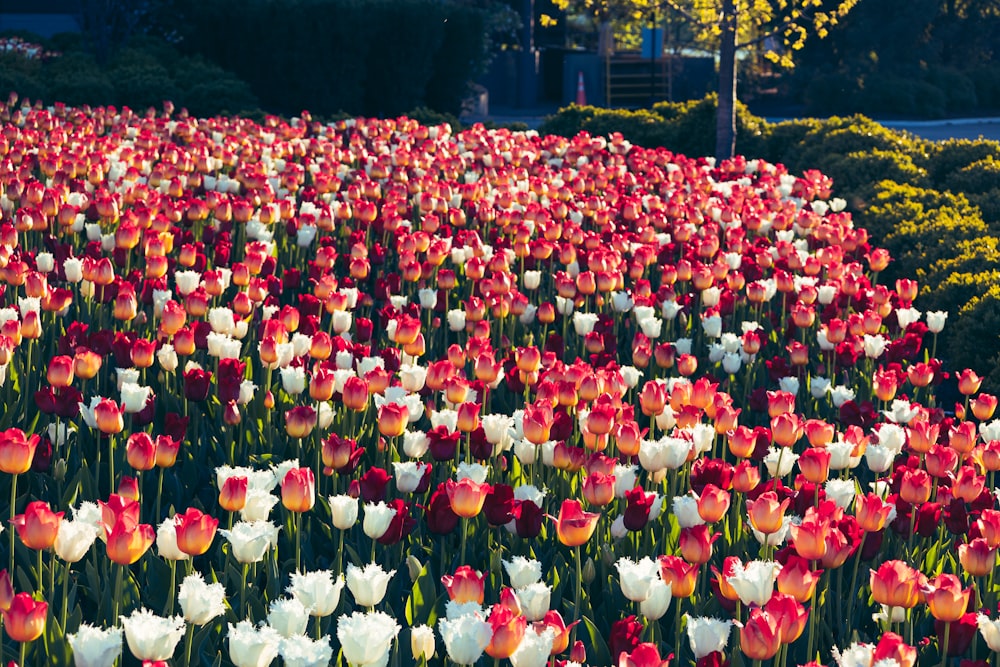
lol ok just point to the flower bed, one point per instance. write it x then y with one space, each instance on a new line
476 395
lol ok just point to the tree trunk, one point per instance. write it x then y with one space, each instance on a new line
605 39
725 119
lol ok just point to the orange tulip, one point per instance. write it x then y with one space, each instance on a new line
946 598
977 557
233 494
38 526
896 584
25 619
109 417
695 544
575 527
140 451
128 541
680 575
809 537
466 585
797 579
766 513
871 512
508 630
466 496
195 531
300 421
60 371
760 636
298 490
713 503
789 614
815 464
17 451
392 420
166 451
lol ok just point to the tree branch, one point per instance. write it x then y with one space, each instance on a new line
789 22
672 4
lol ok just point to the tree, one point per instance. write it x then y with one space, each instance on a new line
606 12
780 27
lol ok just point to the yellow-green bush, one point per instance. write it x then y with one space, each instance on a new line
947 157
973 335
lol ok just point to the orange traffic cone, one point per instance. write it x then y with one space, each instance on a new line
581 91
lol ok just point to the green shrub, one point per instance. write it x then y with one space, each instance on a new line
568 120
23 76
429 117
972 336
218 97
969 258
919 227
855 174
975 178
989 206
840 136
142 85
694 128
785 139
896 203
640 127
682 127
947 157
90 87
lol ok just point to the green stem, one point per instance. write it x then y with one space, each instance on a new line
243 592
65 597
11 530
173 588
188 643
159 495
119 587
852 591
111 461
39 574
340 555
577 593
465 532
812 619
944 644
298 541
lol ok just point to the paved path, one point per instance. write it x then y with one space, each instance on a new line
959 128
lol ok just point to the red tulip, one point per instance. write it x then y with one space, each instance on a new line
643 655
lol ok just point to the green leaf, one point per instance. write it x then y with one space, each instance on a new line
421 604
597 650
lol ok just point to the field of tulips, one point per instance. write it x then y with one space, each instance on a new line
375 393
